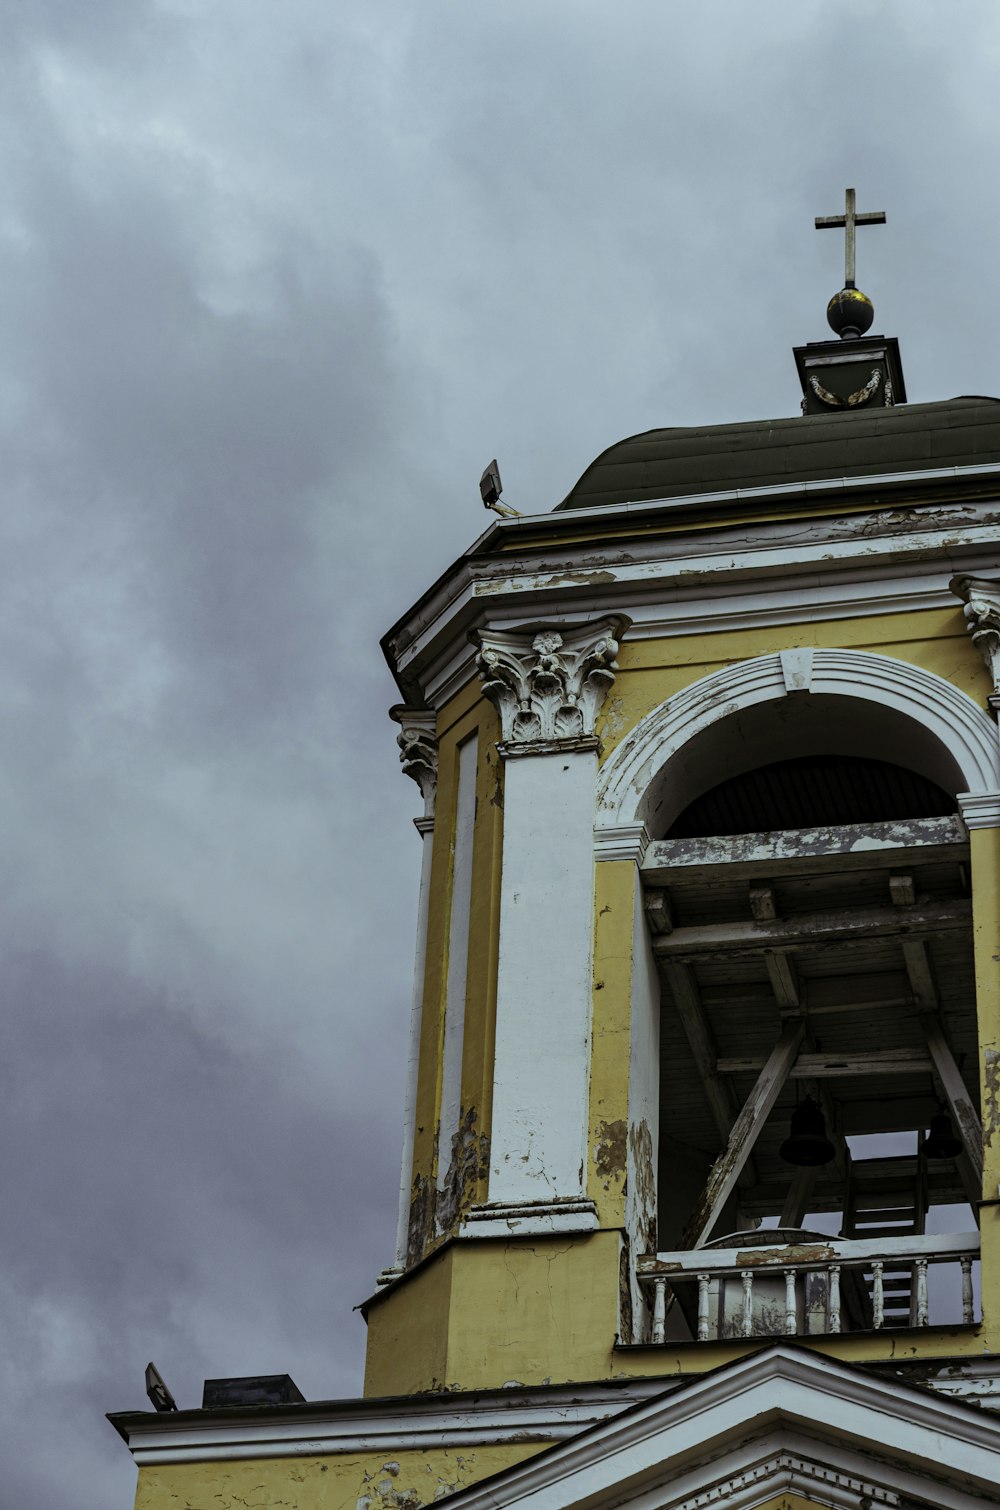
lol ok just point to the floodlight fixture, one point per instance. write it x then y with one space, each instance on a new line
490 488
157 1391
490 485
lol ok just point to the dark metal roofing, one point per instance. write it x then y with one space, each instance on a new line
715 458
810 792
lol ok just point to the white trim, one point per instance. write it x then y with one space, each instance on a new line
659 1453
460 911
963 729
980 809
699 580
622 841
425 828
742 495
530 1218
447 1421
399 1425
544 1002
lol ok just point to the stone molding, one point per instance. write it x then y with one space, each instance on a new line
980 809
982 619
622 841
942 708
548 681
418 750
530 1218
578 744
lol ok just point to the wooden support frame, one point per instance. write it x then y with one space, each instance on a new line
812 930
833 1066
684 989
963 1114
726 1170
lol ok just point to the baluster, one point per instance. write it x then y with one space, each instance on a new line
747 1278
833 1300
878 1295
967 1312
921 1292
703 1280
791 1319
659 1309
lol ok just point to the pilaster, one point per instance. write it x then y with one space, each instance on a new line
418 756
548 683
982 618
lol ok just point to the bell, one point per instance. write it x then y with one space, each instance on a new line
807 1144
940 1142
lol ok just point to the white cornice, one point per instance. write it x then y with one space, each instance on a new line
546 1415
672 1443
823 487
698 581
395 1425
980 809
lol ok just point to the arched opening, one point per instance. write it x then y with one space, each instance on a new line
811 791
821 727
808 898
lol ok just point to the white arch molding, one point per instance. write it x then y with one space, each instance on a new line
960 728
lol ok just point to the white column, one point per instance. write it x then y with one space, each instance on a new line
458 966
548 684
418 756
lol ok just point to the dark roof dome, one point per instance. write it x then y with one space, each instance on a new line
767 453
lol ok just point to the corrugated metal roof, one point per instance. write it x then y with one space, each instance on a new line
676 462
808 792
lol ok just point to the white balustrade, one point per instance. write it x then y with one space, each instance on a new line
703 1283
833 1299
878 1294
812 1288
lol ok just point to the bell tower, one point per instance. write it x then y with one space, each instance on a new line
706 1020
701 1161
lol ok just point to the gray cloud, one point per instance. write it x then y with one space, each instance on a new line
274 285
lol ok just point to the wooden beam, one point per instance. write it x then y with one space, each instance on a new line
963 1114
763 907
813 929
684 990
854 846
726 1170
918 970
781 974
906 1248
821 995
830 1066
658 911
902 891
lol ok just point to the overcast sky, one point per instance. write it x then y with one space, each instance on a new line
276 281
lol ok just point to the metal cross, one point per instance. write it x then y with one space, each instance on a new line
847 222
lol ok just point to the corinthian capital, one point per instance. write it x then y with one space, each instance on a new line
982 619
549 682
418 749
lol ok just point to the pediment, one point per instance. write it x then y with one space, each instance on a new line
785 1429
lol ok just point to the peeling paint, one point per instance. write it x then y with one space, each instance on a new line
626 1321
609 1155
991 1107
469 1163
421 1223
644 1181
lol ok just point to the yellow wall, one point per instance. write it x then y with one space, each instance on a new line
467 716
483 1313
653 670
397 1481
